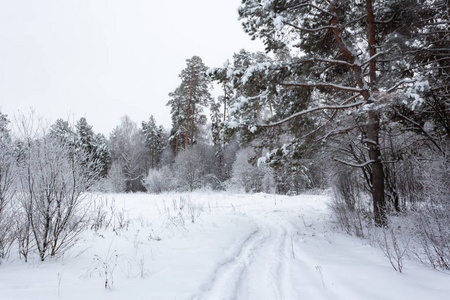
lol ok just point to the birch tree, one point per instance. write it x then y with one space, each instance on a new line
127 150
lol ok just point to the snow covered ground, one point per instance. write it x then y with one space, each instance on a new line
218 246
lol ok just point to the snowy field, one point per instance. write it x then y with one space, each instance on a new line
217 246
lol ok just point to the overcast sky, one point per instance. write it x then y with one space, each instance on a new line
102 59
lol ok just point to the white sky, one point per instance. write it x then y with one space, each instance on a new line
102 59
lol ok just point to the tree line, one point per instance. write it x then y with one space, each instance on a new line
352 95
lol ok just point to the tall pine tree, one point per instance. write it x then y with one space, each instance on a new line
188 102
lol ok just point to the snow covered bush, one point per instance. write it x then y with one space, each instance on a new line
419 205
245 176
389 240
188 170
350 204
432 216
7 189
195 168
158 180
115 182
268 181
52 181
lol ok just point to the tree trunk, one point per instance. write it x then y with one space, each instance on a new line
192 126
153 158
379 202
188 113
373 129
224 108
176 141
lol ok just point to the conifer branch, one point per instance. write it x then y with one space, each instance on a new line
310 30
323 84
307 111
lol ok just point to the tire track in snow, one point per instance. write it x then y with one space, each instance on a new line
260 269
228 275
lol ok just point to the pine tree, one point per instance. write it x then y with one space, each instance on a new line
348 67
188 101
153 141
216 120
85 136
95 147
62 131
254 98
241 87
102 154
426 43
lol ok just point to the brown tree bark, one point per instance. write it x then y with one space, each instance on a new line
176 141
373 129
188 115
373 126
224 108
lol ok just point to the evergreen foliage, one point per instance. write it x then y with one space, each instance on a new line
188 102
336 67
153 136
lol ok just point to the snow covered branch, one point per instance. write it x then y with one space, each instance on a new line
385 22
394 87
308 3
325 85
333 61
353 164
379 54
425 132
307 111
311 30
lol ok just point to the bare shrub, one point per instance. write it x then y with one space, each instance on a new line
432 217
7 232
7 189
158 181
246 176
115 182
53 180
104 267
100 218
121 220
427 210
189 170
194 210
388 241
348 207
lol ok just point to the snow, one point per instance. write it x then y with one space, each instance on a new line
278 22
232 124
238 246
259 67
414 92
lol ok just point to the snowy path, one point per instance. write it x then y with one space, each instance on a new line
263 260
293 254
265 266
